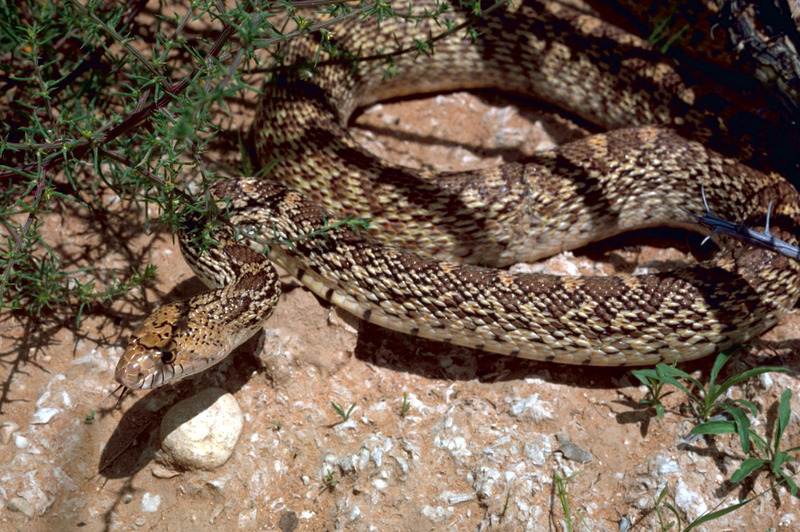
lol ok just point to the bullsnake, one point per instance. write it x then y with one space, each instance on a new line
648 171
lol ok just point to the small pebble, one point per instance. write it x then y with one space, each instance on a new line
572 451
201 432
18 504
150 502
6 430
159 471
21 441
288 521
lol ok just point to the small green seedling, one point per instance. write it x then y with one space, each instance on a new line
329 482
405 406
560 486
773 458
659 514
505 504
345 415
705 401
655 386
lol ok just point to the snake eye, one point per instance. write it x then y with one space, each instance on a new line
168 357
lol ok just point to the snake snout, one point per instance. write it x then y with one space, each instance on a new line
139 368
132 375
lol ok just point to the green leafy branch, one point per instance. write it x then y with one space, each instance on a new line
94 108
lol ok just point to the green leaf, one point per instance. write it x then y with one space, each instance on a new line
778 460
667 375
750 406
720 361
715 515
715 427
645 376
792 485
747 467
762 445
663 370
751 373
784 411
742 423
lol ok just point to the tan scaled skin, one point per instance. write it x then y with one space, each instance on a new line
185 337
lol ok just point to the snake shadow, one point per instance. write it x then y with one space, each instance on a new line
435 360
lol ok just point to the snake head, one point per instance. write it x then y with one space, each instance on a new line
167 346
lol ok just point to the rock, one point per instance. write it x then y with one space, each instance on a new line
160 471
572 451
575 453
6 430
288 521
21 441
689 501
201 432
18 504
43 415
530 407
150 502
538 449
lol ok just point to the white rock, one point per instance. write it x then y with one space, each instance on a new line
483 480
44 415
21 441
201 432
451 499
150 502
530 407
538 449
690 502
665 465
436 514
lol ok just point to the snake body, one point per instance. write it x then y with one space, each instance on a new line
635 177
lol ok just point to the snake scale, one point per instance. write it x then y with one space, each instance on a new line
647 171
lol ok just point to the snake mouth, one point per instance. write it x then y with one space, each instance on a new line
143 374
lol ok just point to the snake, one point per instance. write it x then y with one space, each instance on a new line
431 264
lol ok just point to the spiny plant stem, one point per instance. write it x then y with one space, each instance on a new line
77 131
